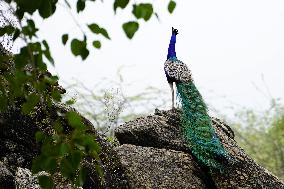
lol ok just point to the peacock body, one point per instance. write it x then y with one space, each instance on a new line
196 123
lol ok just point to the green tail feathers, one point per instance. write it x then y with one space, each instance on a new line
197 128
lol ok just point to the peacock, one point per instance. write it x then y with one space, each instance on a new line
196 124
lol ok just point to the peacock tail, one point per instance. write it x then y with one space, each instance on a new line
197 128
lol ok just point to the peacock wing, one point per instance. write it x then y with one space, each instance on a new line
177 71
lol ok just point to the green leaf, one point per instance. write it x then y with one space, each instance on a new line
120 3
57 126
64 149
31 102
70 101
47 53
56 95
22 59
16 83
64 39
49 164
7 30
171 6
95 28
79 48
45 182
39 136
44 162
48 149
19 13
29 6
130 28
85 53
30 29
80 180
76 159
66 168
91 143
36 165
45 44
81 5
104 33
49 102
46 8
97 44
35 47
16 34
52 80
143 10
75 120
99 170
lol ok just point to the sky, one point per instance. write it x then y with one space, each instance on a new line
233 48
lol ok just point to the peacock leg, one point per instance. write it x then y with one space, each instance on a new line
173 95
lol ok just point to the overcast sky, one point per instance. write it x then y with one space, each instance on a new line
227 44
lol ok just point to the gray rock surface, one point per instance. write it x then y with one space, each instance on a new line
6 177
149 167
159 135
24 179
160 131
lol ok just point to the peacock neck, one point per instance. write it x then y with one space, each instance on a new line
171 49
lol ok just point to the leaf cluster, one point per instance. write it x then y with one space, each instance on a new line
26 82
64 151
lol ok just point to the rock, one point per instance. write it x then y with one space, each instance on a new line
24 179
161 132
149 167
6 177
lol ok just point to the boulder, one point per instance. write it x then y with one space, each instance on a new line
155 142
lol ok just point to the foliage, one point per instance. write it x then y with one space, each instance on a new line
172 6
130 28
25 81
261 134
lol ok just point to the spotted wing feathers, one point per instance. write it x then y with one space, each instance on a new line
177 71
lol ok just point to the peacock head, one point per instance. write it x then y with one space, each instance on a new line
174 31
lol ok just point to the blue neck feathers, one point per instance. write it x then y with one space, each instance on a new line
171 49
